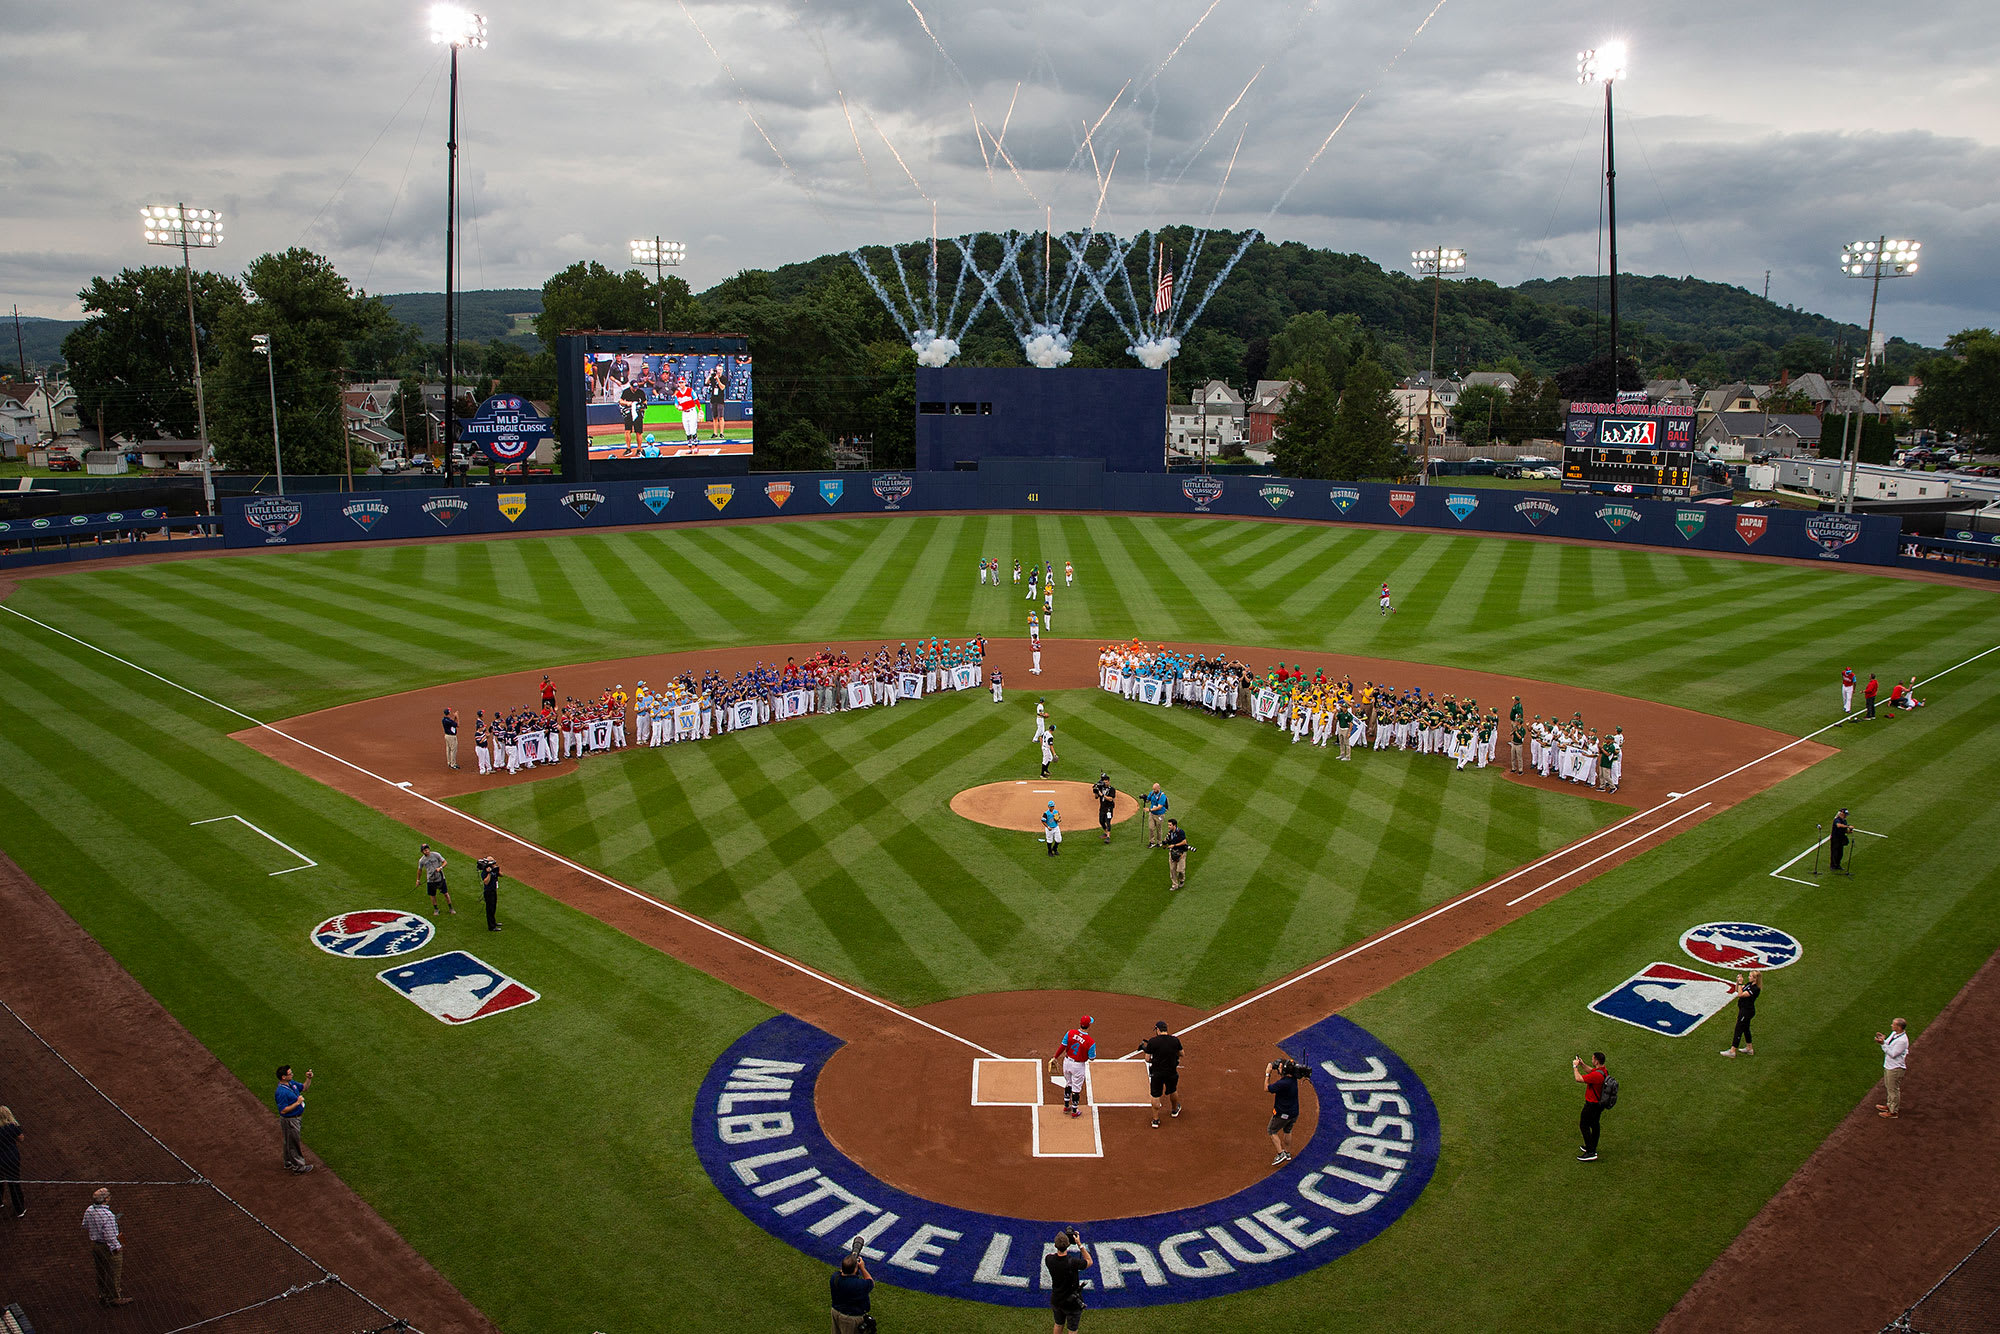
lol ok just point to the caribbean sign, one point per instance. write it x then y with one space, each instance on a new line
506 427
758 1136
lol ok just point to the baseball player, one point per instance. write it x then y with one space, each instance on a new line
1051 819
1846 690
982 571
1069 574
1049 605
1049 757
1041 719
1386 608
1034 586
1017 570
996 685
1035 643
1077 1051
690 407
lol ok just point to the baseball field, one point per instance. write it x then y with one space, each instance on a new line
545 1159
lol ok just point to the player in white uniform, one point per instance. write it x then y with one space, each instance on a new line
1035 643
996 685
1041 719
1069 574
1386 608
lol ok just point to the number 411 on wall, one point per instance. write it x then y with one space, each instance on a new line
1034 497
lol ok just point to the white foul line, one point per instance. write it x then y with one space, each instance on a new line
309 862
1606 832
1613 853
1812 884
556 857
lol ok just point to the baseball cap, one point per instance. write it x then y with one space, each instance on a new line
1086 1021
1160 1026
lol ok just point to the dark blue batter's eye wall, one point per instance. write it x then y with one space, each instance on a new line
967 414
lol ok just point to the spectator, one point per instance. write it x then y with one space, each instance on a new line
107 1249
851 1286
291 1102
1592 1080
1895 1061
10 1160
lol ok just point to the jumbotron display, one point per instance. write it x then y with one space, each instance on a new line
662 405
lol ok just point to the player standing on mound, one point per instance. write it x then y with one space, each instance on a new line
1077 1051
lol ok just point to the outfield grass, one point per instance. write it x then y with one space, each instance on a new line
541 1159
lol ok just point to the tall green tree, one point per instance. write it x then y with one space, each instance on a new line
131 358
1480 413
1316 338
1961 389
1534 410
314 321
586 295
1364 428
1305 443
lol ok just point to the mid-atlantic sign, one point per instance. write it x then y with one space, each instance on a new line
506 427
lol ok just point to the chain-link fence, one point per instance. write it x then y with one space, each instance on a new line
1964 1301
192 1258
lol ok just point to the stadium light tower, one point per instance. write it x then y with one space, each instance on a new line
260 344
662 255
1434 264
1606 65
454 26
1884 257
188 229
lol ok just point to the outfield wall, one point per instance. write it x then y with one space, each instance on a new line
360 517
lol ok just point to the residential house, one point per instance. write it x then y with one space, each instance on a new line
1445 388
1265 410
1826 396
1411 407
1740 435
1737 397
1504 381
370 411
55 406
18 432
1193 429
1679 393
1898 399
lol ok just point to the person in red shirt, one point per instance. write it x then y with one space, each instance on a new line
1846 690
1896 693
1868 694
1592 1080
1075 1052
548 692
690 407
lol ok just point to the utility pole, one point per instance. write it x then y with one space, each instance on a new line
19 351
1606 65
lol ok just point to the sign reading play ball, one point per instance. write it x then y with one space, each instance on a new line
506 427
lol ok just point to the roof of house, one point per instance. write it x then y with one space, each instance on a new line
1753 425
1270 395
1499 379
1900 395
1216 391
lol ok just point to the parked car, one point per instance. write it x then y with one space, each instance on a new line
1506 470
64 463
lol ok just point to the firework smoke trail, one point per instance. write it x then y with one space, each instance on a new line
1220 121
743 100
866 170
1019 179
1103 188
1185 38
898 156
882 294
1006 120
1350 111
979 134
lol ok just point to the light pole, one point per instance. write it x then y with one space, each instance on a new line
662 255
454 26
1606 65
1434 264
261 345
1874 260
189 228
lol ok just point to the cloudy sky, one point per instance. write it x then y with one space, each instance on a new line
1750 137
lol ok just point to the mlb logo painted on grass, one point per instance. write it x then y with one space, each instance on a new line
457 988
1746 946
374 933
1665 998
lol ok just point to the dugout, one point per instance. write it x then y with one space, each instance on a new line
967 415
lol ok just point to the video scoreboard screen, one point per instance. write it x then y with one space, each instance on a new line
1629 448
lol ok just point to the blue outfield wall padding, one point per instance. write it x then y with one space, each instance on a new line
1011 485
1114 417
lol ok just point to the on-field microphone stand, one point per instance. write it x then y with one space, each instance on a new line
1817 840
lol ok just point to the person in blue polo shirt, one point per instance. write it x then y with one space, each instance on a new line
1156 817
291 1101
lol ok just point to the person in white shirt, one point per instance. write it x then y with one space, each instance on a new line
1895 1060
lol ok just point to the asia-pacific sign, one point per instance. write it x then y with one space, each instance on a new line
506 427
1275 496
1203 490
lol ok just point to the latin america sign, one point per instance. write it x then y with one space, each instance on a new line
506 427
757 1133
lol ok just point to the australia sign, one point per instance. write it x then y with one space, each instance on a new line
506 427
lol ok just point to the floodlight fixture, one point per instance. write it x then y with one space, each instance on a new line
1438 261
1883 257
457 26
1602 64
661 254
187 228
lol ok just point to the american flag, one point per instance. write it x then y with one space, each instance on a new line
1163 293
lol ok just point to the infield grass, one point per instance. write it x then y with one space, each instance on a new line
541 1159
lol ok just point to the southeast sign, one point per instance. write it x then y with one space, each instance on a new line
506 427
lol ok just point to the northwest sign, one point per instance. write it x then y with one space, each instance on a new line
892 487
759 1138
1402 502
1536 511
655 498
779 492
581 503
365 513
1344 498
1750 527
1461 504
507 427
1275 496
719 495
273 516
1618 517
445 509
1202 489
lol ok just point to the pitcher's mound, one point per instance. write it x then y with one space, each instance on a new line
1020 805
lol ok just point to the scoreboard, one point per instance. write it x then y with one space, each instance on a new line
1634 449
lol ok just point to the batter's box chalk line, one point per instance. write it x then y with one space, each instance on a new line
309 862
1004 1081
1779 874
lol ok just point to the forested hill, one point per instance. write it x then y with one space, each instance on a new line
482 315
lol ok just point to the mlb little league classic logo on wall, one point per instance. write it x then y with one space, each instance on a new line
655 498
1536 512
1831 532
374 933
365 513
893 488
1461 504
1275 496
456 988
1344 498
1748 947
1618 517
779 492
1203 490
719 495
581 503
445 509
830 489
1690 522
273 516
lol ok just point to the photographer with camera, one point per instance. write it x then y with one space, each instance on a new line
1066 1278
1281 1081
851 1284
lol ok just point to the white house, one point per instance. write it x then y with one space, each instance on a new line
1411 407
1202 429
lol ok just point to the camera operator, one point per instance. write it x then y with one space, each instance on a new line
851 1285
1066 1278
1281 1081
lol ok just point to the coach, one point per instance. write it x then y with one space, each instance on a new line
450 739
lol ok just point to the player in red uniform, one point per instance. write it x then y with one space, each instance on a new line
1078 1049
1846 691
690 407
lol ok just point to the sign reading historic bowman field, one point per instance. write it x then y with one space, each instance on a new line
758 1136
